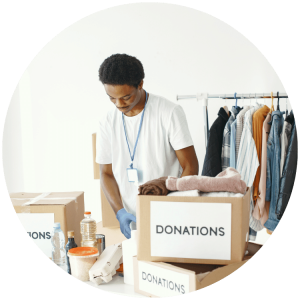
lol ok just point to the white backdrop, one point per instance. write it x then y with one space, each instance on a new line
59 99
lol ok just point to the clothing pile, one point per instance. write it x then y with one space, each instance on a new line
227 182
262 147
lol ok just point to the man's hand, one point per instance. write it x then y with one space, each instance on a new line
125 219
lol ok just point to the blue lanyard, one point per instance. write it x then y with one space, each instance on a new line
138 135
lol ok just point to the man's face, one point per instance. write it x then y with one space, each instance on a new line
124 97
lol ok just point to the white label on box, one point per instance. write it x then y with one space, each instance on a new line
190 230
39 228
161 282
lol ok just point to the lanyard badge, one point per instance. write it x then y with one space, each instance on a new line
132 173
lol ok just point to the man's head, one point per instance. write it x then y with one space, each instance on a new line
122 76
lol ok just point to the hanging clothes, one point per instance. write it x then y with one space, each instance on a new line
226 138
261 209
212 165
257 124
239 129
288 176
284 142
247 163
232 161
273 167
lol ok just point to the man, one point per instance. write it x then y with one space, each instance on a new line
143 138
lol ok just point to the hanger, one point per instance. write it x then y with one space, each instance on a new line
235 100
272 106
278 108
225 107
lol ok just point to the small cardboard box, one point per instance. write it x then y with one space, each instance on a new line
201 230
108 216
158 279
39 211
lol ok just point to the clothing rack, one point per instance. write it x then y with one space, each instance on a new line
203 97
231 96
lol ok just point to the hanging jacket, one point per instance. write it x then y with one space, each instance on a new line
273 167
212 165
288 175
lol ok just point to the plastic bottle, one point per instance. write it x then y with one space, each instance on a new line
70 245
58 245
88 229
129 248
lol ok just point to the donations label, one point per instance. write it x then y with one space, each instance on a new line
39 227
191 230
161 282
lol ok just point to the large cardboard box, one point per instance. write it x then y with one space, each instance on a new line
112 235
202 230
159 279
108 215
39 211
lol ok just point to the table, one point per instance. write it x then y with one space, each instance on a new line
116 286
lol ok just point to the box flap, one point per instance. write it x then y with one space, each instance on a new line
55 198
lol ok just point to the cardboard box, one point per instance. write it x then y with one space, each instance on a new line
201 230
108 215
39 211
112 235
158 279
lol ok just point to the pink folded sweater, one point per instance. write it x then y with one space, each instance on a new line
228 180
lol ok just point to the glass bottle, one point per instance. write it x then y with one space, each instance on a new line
71 244
88 229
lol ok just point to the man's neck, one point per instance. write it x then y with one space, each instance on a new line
138 107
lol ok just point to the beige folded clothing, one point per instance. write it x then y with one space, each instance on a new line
228 180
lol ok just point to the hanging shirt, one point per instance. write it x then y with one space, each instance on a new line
247 162
239 129
164 130
261 209
226 138
257 123
232 144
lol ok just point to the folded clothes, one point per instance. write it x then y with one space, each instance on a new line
154 187
220 194
228 180
192 193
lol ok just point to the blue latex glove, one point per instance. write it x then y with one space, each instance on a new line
125 219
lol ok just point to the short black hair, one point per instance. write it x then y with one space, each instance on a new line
120 69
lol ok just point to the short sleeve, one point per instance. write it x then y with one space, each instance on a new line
179 134
103 142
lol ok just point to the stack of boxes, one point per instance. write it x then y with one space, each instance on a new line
185 243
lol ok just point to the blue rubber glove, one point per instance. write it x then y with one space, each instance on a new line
125 219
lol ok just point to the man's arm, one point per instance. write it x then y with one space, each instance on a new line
188 160
110 187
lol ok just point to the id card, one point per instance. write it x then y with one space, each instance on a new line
132 175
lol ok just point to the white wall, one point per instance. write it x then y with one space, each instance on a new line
58 101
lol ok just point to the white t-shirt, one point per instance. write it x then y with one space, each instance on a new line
164 130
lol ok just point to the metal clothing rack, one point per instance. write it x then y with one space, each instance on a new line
203 97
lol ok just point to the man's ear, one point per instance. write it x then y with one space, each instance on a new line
141 85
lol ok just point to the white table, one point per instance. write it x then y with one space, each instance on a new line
116 286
